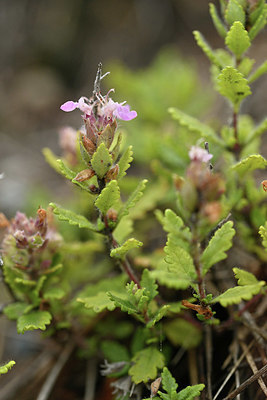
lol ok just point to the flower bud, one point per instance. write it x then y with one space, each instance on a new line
112 173
88 145
264 185
84 175
112 215
21 240
94 189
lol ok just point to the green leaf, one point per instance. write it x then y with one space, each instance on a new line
263 233
98 302
236 294
217 22
33 320
190 392
234 12
182 333
174 225
233 85
207 49
237 39
124 304
51 159
114 351
168 382
72 218
259 24
255 161
119 252
244 277
180 262
195 125
101 161
124 162
149 284
259 130
5 368
65 171
159 315
262 69
146 364
254 15
108 197
53 293
245 66
133 199
15 310
218 245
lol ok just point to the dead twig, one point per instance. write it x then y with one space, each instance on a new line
233 370
253 367
208 350
90 382
248 382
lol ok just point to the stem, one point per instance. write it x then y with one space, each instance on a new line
236 147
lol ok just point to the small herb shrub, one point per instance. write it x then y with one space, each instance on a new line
111 290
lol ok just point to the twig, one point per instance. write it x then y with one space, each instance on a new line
55 371
232 371
208 350
193 372
253 367
90 382
245 384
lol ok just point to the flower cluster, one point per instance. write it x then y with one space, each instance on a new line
100 110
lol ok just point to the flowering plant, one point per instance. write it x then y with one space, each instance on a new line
128 305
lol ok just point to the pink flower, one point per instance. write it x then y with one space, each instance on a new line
123 112
196 153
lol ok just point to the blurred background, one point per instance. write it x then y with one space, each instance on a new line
49 54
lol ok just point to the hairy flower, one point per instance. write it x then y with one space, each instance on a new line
196 153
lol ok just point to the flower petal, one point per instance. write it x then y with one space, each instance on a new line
69 106
124 112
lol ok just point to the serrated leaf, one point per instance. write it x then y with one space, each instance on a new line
65 171
170 278
262 69
72 218
253 16
33 320
99 302
168 382
149 285
195 125
255 161
53 293
236 294
259 24
119 252
233 85
125 161
244 277
5 368
146 364
108 197
133 199
182 333
123 229
174 225
234 12
218 245
51 159
159 315
124 304
101 161
15 310
207 49
217 22
237 39
190 392
181 263
116 149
